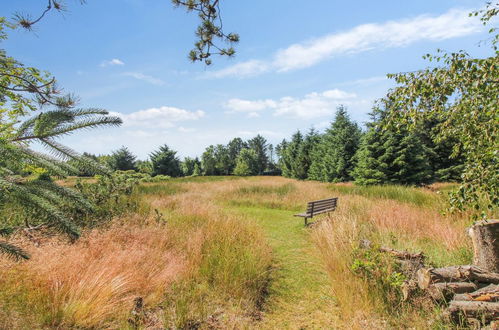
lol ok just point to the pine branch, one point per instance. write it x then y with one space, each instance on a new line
13 251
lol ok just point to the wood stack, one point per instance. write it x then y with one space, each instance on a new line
471 291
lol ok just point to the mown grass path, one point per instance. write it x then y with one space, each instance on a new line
300 296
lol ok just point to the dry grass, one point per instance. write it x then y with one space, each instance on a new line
93 282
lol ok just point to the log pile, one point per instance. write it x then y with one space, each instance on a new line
471 292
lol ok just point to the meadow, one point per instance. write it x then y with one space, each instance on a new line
226 252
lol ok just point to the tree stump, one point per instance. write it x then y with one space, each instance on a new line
485 238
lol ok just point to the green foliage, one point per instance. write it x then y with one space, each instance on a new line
382 273
332 159
122 160
144 166
296 156
110 195
164 161
247 163
191 165
391 157
259 145
463 93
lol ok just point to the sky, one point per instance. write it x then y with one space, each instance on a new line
296 62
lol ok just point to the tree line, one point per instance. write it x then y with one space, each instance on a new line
238 157
344 152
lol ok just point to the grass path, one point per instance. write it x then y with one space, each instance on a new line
299 295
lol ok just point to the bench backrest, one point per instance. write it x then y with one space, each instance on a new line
321 205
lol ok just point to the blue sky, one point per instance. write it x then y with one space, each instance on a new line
294 64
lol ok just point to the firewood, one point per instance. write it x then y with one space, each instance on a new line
445 291
428 276
489 293
461 310
408 288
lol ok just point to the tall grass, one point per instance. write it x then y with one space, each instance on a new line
405 194
94 282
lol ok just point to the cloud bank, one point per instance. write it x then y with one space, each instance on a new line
313 105
162 117
377 36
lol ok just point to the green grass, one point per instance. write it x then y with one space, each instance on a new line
201 179
265 190
403 194
160 189
299 295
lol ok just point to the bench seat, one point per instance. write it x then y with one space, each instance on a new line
318 207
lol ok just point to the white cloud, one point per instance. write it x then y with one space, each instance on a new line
186 130
239 105
452 24
113 62
162 117
312 105
241 70
144 77
253 115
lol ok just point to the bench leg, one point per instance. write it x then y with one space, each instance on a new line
306 223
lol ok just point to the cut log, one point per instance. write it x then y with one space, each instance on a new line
489 293
462 310
408 288
428 276
485 238
446 291
367 244
402 254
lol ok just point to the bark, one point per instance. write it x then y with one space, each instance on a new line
485 238
428 276
489 293
462 310
446 291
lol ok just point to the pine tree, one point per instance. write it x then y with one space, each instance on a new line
259 145
391 156
122 160
40 197
165 162
288 154
332 160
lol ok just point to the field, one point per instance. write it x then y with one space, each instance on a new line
226 252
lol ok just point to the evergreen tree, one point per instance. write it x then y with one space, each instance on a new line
446 161
122 160
301 165
296 155
333 159
282 160
259 145
394 156
289 154
165 162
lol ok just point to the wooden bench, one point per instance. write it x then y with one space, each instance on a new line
318 207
